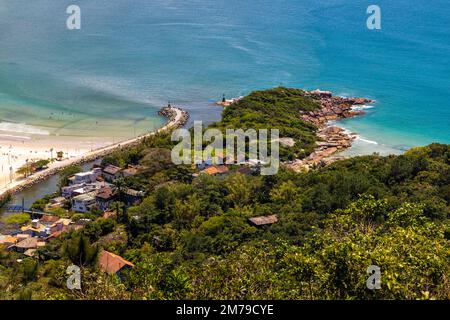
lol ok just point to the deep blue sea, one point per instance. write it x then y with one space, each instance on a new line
131 57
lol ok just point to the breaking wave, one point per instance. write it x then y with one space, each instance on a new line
362 107
21 128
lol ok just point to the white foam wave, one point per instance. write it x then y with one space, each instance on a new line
367 140
362 107
21 128
13 137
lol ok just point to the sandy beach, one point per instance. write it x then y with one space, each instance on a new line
16 151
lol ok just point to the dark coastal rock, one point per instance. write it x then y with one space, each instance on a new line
333 139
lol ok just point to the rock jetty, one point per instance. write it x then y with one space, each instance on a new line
171 114
177 118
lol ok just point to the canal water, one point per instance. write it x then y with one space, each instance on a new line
41 189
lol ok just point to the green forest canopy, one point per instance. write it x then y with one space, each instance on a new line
190 237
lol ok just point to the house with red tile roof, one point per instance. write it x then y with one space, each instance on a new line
112 263
215 170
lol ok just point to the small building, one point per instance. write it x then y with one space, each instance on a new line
59 155
7 240
111 173
22 236
215 170
26 244
204 164
54 235
86 177
47 220
256 162
112 263
57 202
263 220
221 158
60 225
68 191
130 171
84 202
218 159
84 188
105 198
321 93
35 229
30 252
132 197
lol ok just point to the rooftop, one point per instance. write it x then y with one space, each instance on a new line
58 200
38 227
131 171
7 240
112 263
110 169
134 193
30 252
85 197
29 243
64 221
83 174
46 218
215 170
105 193
264 220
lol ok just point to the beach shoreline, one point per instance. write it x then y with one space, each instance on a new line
82 153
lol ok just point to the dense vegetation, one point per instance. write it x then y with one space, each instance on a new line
277 108
190 237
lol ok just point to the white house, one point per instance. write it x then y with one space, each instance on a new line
83 202
86 177
67 191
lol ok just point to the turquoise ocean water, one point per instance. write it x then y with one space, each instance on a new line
131 57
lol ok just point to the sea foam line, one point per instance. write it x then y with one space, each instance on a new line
367 140
21 128
362 107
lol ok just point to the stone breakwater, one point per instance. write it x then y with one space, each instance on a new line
171 114
332 138
177 118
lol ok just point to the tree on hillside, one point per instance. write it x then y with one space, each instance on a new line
81 252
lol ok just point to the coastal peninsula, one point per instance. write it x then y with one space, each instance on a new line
312 138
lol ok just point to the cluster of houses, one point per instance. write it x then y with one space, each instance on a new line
85 190
38 233
96 188
217 166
